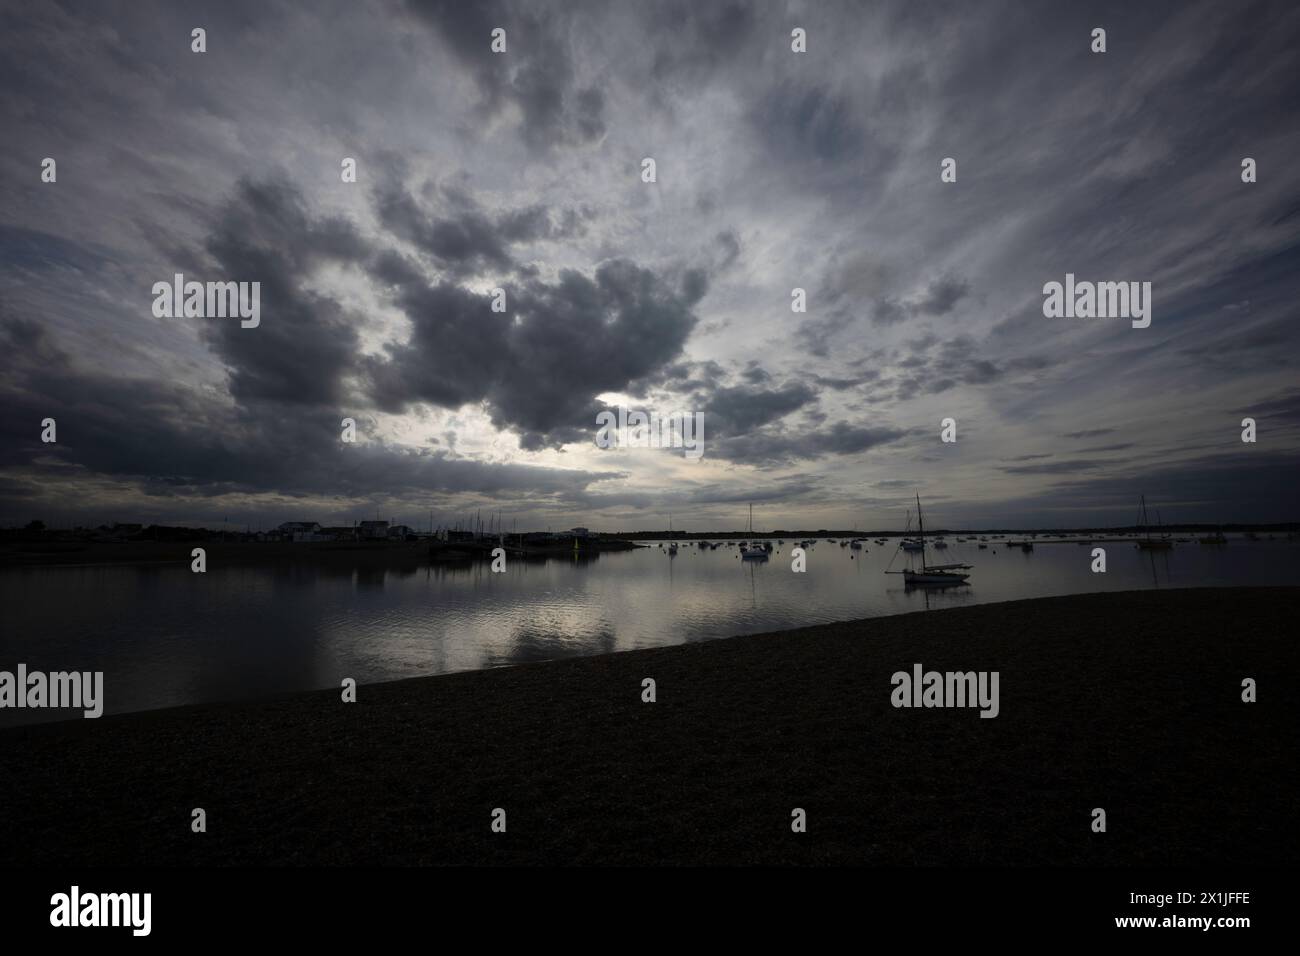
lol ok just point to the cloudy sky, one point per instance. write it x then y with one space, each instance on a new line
522 170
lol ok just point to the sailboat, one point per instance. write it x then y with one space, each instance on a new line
755 551
1149 543
931 574
910 544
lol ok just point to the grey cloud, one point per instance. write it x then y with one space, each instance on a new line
306 341
1054 468
737 410
540 367
536 73
469 239
172 442
771 447
939 297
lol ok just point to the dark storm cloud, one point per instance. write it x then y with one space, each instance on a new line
737 410
817 169
536 73
538 367
465 238
468 241
299 356
170 441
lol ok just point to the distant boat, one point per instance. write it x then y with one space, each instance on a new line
931 574
755 553
1149 543
855 545
908 543
1216 538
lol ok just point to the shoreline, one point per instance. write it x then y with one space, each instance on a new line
252 554
26 554
1125 700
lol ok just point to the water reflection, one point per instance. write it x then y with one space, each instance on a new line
164 636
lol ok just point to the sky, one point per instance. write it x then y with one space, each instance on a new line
775 170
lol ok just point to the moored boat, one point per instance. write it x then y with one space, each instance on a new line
1149 543
930 575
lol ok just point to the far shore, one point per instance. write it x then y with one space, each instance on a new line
228 553
1130 702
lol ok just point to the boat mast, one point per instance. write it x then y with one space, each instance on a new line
920 524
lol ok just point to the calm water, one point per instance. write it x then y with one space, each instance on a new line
165 636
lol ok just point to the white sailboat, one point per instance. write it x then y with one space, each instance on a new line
931 574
